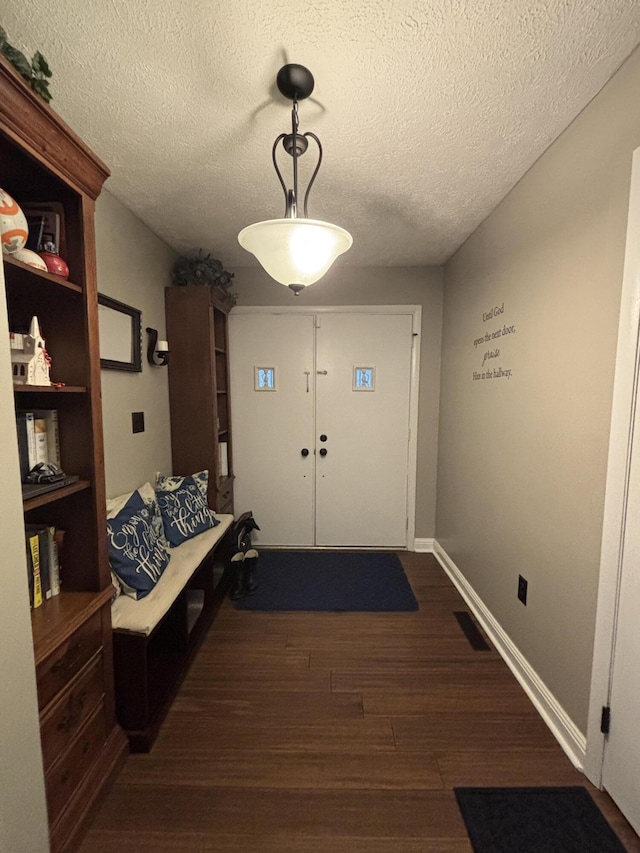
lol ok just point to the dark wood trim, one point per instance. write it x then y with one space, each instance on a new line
46 276
42 132
135 363
61 616
68 831
149 669
42 159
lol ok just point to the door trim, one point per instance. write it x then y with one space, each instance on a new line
416 312
625 397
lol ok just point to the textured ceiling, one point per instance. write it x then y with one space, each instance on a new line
428 112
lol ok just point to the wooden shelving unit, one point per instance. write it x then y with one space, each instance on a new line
42 160
200 405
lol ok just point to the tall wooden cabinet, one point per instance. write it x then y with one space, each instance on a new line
196 318
42 160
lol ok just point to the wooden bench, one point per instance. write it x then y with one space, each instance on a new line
155 638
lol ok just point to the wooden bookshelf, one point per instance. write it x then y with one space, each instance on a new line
42 160
200 406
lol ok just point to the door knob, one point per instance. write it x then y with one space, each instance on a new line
304 452
323 437
323 451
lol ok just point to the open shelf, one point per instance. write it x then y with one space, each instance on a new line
55 495
41 274
50 389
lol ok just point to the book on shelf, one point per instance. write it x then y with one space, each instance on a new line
38 438
26 442
50 416
33 567
223 459
55 542
43 562
40 430
29 568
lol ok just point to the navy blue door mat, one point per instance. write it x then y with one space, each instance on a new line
331 581
535 820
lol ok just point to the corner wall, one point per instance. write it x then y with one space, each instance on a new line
524 435
23 808
133 267
379 286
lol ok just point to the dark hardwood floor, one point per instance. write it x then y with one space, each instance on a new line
341 732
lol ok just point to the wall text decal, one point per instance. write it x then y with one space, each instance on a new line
487 344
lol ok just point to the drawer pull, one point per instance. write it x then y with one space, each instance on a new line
71 659
73 713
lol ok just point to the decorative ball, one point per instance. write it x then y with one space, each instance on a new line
55 264
31 258
13 225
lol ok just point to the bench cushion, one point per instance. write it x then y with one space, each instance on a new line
141 617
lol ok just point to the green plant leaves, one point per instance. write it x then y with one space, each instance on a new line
41 71
200 269
35 72
40 65
18 60
41 87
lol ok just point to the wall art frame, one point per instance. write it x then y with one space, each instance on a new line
120 335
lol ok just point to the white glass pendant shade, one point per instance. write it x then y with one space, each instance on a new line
295 251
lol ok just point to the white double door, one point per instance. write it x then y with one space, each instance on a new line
321 413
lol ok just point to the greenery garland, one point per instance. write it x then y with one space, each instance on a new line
36 72
201 269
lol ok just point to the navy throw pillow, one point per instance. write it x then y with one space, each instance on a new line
184 511
136 553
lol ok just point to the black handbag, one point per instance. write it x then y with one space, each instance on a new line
241 532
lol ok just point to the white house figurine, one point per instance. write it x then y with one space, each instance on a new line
30 361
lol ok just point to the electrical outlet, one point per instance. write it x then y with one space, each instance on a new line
137 421
523 583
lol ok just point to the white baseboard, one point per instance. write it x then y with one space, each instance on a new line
570 738
423 546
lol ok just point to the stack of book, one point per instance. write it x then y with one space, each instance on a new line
43 562
38 439
39 444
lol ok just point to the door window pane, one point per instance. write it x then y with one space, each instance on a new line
364 378
264 378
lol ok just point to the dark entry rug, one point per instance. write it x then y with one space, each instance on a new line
535 820
330 580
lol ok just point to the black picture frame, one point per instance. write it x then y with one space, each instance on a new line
120 328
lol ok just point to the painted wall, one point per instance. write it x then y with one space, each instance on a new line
23 814
525 412
379 286
133 267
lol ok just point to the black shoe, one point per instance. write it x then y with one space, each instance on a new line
248 571
237 578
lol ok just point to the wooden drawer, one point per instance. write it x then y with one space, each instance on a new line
224 498
65 774
67 714
54 673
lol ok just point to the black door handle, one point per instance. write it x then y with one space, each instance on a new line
323 451
323 437
304 452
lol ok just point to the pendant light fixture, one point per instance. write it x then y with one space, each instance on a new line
295 250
